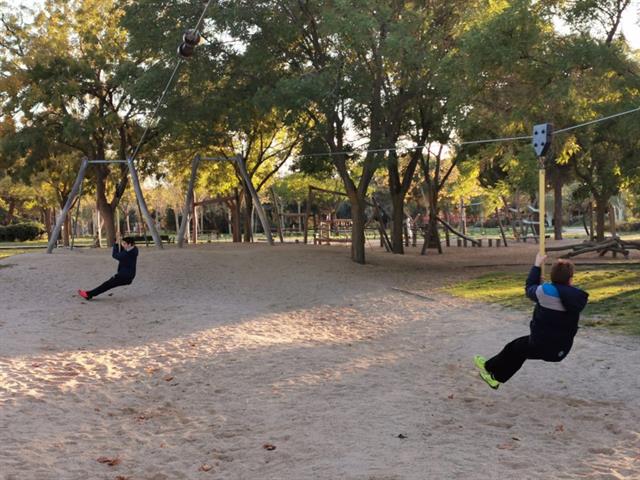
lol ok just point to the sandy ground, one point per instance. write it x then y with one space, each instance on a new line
218 351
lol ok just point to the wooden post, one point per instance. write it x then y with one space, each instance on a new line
189 200
143 205
67 206
541 206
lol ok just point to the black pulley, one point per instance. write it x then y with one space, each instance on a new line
191 37
185 50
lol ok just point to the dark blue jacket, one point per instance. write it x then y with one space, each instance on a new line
556 314
126 261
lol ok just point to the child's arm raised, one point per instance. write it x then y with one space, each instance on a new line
535 277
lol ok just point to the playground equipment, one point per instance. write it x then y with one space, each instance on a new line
614 245
323 229
242 169
77 189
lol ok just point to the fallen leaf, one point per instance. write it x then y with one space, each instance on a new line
112 462
168 378
205 467
268 446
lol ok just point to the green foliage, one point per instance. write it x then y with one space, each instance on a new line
21 232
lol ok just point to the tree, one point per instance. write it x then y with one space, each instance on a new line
69 79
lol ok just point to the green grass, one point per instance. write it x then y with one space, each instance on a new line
614 294
11 252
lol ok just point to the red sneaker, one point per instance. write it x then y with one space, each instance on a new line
84 294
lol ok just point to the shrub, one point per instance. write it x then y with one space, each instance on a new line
21 232
628 227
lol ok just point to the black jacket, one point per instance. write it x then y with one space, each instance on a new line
126 261
556 314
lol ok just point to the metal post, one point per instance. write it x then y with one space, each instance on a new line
143 204
187 205
67 205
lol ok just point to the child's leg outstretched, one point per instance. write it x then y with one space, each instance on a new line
115 281
506 363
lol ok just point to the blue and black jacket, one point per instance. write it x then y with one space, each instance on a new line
126 261
555 316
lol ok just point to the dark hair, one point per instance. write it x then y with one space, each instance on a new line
562 271
129 240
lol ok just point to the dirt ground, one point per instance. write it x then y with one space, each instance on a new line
291 362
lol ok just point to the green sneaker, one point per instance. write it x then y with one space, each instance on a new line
479 362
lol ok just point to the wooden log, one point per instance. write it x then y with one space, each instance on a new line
455 232
596 248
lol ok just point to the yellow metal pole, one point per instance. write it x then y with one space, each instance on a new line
541 202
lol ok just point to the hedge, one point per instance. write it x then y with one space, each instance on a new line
21 232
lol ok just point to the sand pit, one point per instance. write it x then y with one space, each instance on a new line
218 351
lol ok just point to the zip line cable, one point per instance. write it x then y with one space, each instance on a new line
597 120
474 142
166 88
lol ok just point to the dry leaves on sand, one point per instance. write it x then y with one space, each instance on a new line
112 462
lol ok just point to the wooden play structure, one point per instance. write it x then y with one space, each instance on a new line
328 229
189 204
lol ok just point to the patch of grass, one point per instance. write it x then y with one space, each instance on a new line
614 294
10 252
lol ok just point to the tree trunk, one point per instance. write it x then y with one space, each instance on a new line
357 231
46 216
175 215
601 213
612 220
397 221
248 209
106 210
557 206
66 230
